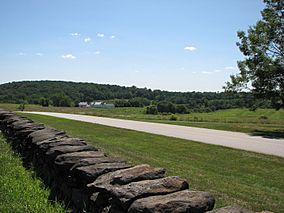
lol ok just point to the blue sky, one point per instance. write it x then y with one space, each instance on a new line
177 45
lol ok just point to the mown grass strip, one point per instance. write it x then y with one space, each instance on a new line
238 120
20 191
233 176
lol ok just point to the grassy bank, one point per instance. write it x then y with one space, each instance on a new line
19 190
233 176
267 122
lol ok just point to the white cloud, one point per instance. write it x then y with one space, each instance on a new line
217 71
206 72
68 56
39 54
230 68
21 53
190 48
100 35
112 37
182 68
87 40
75 34
97 52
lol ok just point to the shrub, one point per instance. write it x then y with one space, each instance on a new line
173 117
152 110
165 106
263 119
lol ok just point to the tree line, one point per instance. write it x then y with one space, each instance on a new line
62 93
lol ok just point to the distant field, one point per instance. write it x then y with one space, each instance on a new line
20 191
240 120
233 176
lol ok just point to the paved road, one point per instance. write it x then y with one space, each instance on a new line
223 138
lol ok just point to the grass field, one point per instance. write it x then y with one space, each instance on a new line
233 176
239 120
20 191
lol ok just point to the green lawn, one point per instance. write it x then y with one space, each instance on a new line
20 191
239 120
233 176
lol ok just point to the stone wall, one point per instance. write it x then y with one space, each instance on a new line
87 180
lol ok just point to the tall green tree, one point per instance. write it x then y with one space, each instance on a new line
262 70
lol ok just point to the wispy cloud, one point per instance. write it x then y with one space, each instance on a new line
87 40
100 35
21 53
39 54
97 52
68 56
112 37
230 68
75 34
216 71
206 72
190 48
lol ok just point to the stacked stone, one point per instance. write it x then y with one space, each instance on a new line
87 180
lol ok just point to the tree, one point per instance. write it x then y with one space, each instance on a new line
44 102
181 109
166 107
262 70
61 100
139 102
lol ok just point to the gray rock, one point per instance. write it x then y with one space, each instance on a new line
123 196
53 152
93 161
88 174
67 161
44 134
28 128
125 176
50 140
178 202
99 199
20 124
79 156
4 113
61 142
231 209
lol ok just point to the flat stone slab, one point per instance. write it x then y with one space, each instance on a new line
44 134
100 197
123 196
28 127
50 140
4 113
11 119
61 142
178 202
67 161
20 124
79 156
231 209
125 176
93 161
53 152
88 174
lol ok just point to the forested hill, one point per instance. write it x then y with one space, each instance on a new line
34 92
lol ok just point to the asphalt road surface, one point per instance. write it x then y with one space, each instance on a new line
235 140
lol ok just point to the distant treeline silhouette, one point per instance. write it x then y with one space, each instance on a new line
62 93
